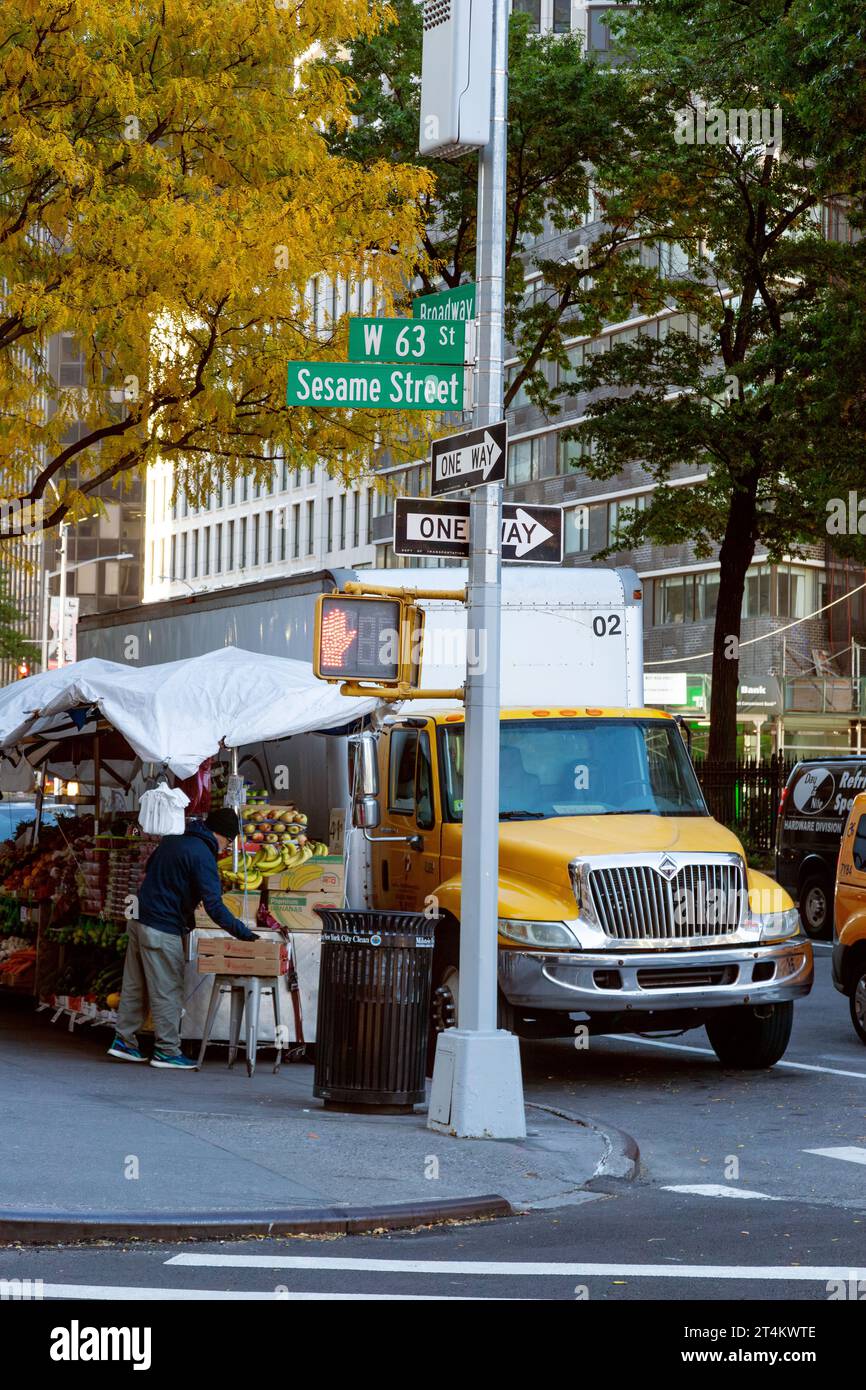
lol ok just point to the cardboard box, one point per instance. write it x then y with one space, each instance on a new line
295 910
321 875
224 955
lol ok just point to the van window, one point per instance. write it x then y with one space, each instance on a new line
401 799
424 787
859 851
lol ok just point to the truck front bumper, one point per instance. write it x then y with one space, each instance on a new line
618 981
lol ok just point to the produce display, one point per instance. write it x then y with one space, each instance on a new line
275 840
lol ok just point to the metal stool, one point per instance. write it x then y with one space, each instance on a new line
246 994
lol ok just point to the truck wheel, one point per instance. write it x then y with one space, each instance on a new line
445 999
748 1038
816 906
858 1005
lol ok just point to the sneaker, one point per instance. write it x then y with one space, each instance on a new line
179 1062
124 1052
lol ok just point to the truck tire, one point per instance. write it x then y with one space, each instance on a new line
749 1038
816 905
857 1002
445 995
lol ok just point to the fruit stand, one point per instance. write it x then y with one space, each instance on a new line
66 891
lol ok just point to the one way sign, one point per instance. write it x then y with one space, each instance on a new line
470 459
531 535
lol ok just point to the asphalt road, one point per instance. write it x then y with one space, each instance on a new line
732 1203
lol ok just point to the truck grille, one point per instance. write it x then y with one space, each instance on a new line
637 903
690 977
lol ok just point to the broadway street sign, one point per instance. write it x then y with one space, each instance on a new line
530 534
355 386
408 340
450 306
470 459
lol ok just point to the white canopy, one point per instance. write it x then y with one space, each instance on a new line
179 713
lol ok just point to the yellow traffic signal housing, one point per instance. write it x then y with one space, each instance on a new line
368 637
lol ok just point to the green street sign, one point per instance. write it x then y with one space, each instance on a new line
407 340
359 386
450 306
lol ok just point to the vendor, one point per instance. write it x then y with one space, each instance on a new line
181 873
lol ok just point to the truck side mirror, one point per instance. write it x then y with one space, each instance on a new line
366 765
367 812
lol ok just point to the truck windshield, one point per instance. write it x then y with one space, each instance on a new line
582 767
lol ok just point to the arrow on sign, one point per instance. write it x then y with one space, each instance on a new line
524 533
469 459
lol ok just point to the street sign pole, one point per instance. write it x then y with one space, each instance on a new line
477 1087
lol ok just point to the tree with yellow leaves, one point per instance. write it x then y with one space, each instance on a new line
166 195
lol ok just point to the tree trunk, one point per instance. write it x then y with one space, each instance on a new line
735 556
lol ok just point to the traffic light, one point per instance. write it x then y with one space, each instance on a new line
368 638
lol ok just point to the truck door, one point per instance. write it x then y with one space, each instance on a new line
851 881
405 877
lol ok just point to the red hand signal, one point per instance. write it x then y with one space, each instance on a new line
336 638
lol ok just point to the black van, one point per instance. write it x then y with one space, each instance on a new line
812 815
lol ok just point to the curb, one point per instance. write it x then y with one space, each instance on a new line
61 1228
620 1161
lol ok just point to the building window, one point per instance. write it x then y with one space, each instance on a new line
193 545
269 553
756 599
230 547
576 530
218 549
520 397
311 528
706 595
524 461
571 453
622 511
205 559
242 547
330 531
296 531
282 525
343 521
562 16
674 600
356 519
173 573
369 515
183 545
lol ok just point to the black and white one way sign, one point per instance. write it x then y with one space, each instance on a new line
531 535
470 459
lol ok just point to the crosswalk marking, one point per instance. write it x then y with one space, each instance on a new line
708 1052
528 1268
849 1154
119 1293
717 1189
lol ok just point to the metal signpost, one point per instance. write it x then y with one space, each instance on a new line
469 459
477 1087
530 535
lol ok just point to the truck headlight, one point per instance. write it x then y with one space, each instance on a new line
537 933
775 926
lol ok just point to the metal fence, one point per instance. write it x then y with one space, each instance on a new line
745 795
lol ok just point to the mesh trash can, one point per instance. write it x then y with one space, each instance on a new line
374 1006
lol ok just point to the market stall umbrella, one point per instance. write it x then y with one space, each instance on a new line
180 713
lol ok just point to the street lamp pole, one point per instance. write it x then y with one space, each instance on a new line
63 571
477 1063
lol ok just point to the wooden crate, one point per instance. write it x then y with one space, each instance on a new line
224 955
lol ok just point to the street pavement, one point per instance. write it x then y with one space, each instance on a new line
752 1188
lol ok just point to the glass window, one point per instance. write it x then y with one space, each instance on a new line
183 548
756 599
706 595
173 557
401 783
242 547
622 511
330 519
533 9
576 530
256 538
218 549
368 493
205 561
193 545
424 786
670 599
356 519
343 521
230 547
562 16
311 528
269 552
563 767
296 531
523 461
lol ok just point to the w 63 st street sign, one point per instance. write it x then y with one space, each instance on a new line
404 340
531 535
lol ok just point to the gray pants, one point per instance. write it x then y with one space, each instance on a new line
152 973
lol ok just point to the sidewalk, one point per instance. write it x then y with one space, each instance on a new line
87 1139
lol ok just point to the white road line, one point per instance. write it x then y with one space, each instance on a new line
849 1155
531 1269
715 1189
708 1052
119 1293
